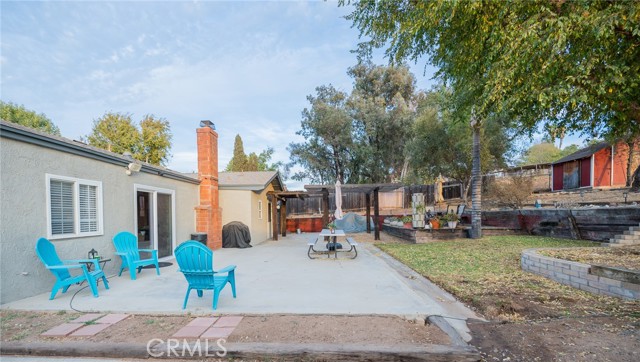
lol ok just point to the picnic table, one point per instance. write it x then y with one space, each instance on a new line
332 246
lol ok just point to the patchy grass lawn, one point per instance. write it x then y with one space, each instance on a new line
627 257
486 274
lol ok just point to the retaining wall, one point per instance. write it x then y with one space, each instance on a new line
598 224
577 275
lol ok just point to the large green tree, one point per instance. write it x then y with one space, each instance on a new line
441 145
155 143
358 137
14 113
116 132
241 162
573 64
382 105
327 153
238 162
545 152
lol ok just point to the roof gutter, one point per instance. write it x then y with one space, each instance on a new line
37 139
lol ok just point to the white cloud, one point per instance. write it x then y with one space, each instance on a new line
247 66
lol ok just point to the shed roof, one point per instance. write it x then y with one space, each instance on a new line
29 135
251 180
585 152
363 188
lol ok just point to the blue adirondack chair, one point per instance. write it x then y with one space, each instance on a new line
127 247
60 269
196 263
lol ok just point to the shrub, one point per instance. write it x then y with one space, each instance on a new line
512 191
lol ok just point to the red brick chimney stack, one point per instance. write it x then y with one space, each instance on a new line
208 213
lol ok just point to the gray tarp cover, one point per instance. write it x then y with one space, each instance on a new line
236 235
353 223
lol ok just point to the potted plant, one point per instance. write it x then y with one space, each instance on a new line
435 223
332 224
451 219
406 220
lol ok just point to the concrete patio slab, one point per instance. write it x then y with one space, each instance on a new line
274 277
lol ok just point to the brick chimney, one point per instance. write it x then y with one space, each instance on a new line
208 213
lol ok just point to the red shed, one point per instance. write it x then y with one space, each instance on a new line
599 165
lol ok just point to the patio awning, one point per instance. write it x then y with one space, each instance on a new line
279 205
361 188
367 189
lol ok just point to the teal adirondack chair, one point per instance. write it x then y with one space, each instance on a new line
60 269
196 263
127 247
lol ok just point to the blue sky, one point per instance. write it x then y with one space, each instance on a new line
247 66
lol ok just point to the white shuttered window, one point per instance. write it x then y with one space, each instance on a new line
74 207
88 208
62 207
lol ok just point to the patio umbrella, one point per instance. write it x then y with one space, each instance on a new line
338 214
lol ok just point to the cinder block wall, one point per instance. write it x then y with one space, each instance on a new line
576 275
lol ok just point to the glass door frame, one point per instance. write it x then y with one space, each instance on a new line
153 191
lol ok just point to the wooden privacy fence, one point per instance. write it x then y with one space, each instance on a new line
355 201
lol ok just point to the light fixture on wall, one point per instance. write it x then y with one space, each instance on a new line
133 167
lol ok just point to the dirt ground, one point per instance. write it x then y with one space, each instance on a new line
583 339
26 326
540 329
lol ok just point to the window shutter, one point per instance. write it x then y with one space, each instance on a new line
62 207
88 208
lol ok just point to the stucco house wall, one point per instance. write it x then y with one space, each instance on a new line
244 197
235 207
260 226
242 205
23 211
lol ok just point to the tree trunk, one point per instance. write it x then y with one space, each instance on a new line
476 185
636 179
630 173
467 187
405 168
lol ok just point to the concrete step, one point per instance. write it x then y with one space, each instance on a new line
634 228
625 242
632 232
627 237
621 245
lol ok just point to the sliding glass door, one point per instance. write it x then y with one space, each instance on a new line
155 219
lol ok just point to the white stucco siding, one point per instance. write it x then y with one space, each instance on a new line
242 205
23 212
260 227
234 204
